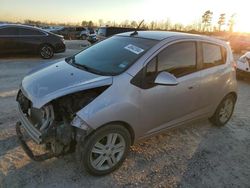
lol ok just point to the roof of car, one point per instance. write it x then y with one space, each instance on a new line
156 35
19 25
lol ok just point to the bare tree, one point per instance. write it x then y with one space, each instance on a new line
100 22
134 24
231 22
167 24
152 25
221 20
90 24
206 20
85 23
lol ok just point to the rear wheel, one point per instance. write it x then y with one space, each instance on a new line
46 51
105 149
224 111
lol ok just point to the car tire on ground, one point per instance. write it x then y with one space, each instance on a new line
104 150
224 111
84 37
46 51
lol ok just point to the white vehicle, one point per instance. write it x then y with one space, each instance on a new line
243 66
86 32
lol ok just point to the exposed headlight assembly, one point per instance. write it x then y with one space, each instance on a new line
79 123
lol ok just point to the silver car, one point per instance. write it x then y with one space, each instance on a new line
130 86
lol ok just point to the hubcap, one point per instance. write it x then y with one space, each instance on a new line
46 51
107 152
226 110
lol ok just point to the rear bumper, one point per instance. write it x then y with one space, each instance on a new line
59 48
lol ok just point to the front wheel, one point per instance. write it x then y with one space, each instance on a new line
105 149
46 51
224 111
84 37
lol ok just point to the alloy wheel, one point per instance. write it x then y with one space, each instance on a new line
46 52
226 110
107 152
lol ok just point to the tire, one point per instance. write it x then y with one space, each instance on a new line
224 111
46 51
84 37
104 150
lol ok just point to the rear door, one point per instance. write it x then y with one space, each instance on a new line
30 39
214 74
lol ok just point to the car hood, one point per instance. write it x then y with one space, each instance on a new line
52 81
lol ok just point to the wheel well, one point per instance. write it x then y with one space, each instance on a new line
125 125
46 44
234 94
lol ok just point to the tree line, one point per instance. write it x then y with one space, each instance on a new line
206 23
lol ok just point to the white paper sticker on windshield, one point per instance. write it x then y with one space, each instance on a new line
134 49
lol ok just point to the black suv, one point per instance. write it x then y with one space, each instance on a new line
70 32
104 32
16 38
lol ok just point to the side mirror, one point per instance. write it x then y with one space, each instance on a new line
167 79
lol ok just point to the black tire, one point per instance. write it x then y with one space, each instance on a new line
84 37
220 120
85 149
46 51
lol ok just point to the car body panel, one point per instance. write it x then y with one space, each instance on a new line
185 96
125 102
243 63
59 79
20 43
147 111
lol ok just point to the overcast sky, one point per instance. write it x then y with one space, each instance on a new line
178 11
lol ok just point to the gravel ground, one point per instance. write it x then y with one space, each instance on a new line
195 155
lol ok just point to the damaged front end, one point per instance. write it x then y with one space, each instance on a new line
56 124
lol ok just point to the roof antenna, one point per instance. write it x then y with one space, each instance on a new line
135 32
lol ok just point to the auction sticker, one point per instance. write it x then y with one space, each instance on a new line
134 49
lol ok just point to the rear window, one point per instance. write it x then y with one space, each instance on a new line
213 55
33 32
114 55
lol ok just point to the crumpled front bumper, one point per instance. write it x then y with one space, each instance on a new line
27 149
35 134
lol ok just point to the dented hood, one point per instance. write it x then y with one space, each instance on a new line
58 79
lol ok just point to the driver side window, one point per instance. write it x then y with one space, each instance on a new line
178 59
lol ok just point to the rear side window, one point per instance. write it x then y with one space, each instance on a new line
25 31
9 31
213 55
178 59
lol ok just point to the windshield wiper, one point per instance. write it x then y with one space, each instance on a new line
71 60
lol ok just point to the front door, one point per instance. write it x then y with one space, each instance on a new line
163 106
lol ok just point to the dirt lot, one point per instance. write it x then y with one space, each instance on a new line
197 155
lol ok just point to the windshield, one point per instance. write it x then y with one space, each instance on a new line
112 56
